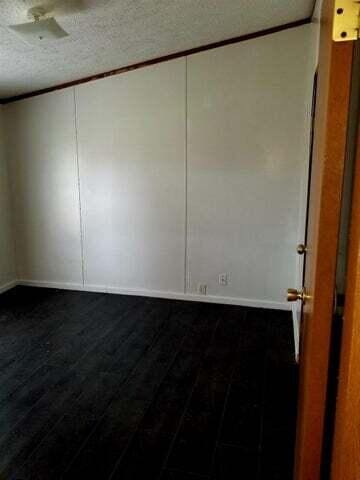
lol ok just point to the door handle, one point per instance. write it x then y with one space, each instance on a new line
294 295
301 249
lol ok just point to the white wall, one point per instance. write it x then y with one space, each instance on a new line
206 172
248 148
317 11
131 136
41 149
7 252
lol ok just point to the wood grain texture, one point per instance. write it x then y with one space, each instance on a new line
346 449
335 62
165 58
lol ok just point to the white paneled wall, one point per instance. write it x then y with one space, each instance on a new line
158 180
248 147
131 136
41 148
7 252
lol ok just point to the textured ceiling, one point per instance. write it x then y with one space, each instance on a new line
108 34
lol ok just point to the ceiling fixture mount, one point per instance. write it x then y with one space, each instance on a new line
36 13
40 29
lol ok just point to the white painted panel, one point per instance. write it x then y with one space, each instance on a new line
248 139
131 136
41 149
7 252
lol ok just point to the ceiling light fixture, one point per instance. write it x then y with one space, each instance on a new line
40 30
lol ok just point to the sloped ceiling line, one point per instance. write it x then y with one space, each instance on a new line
107 34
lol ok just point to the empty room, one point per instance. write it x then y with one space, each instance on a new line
176 218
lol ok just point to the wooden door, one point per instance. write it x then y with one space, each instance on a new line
346 447
330 131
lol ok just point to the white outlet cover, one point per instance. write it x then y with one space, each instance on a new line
223 279
202 288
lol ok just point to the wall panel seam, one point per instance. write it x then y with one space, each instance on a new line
186 259
79 189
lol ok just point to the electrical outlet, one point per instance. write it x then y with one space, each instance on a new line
202 289
223 279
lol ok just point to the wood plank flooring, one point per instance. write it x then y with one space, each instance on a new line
99 386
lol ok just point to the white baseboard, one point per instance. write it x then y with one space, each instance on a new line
59 285
8 286
160 294
245 302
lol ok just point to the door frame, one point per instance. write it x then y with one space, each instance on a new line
345 464
330 136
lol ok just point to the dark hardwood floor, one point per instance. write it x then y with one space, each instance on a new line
99 386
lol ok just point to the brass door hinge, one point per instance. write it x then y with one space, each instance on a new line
346 20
